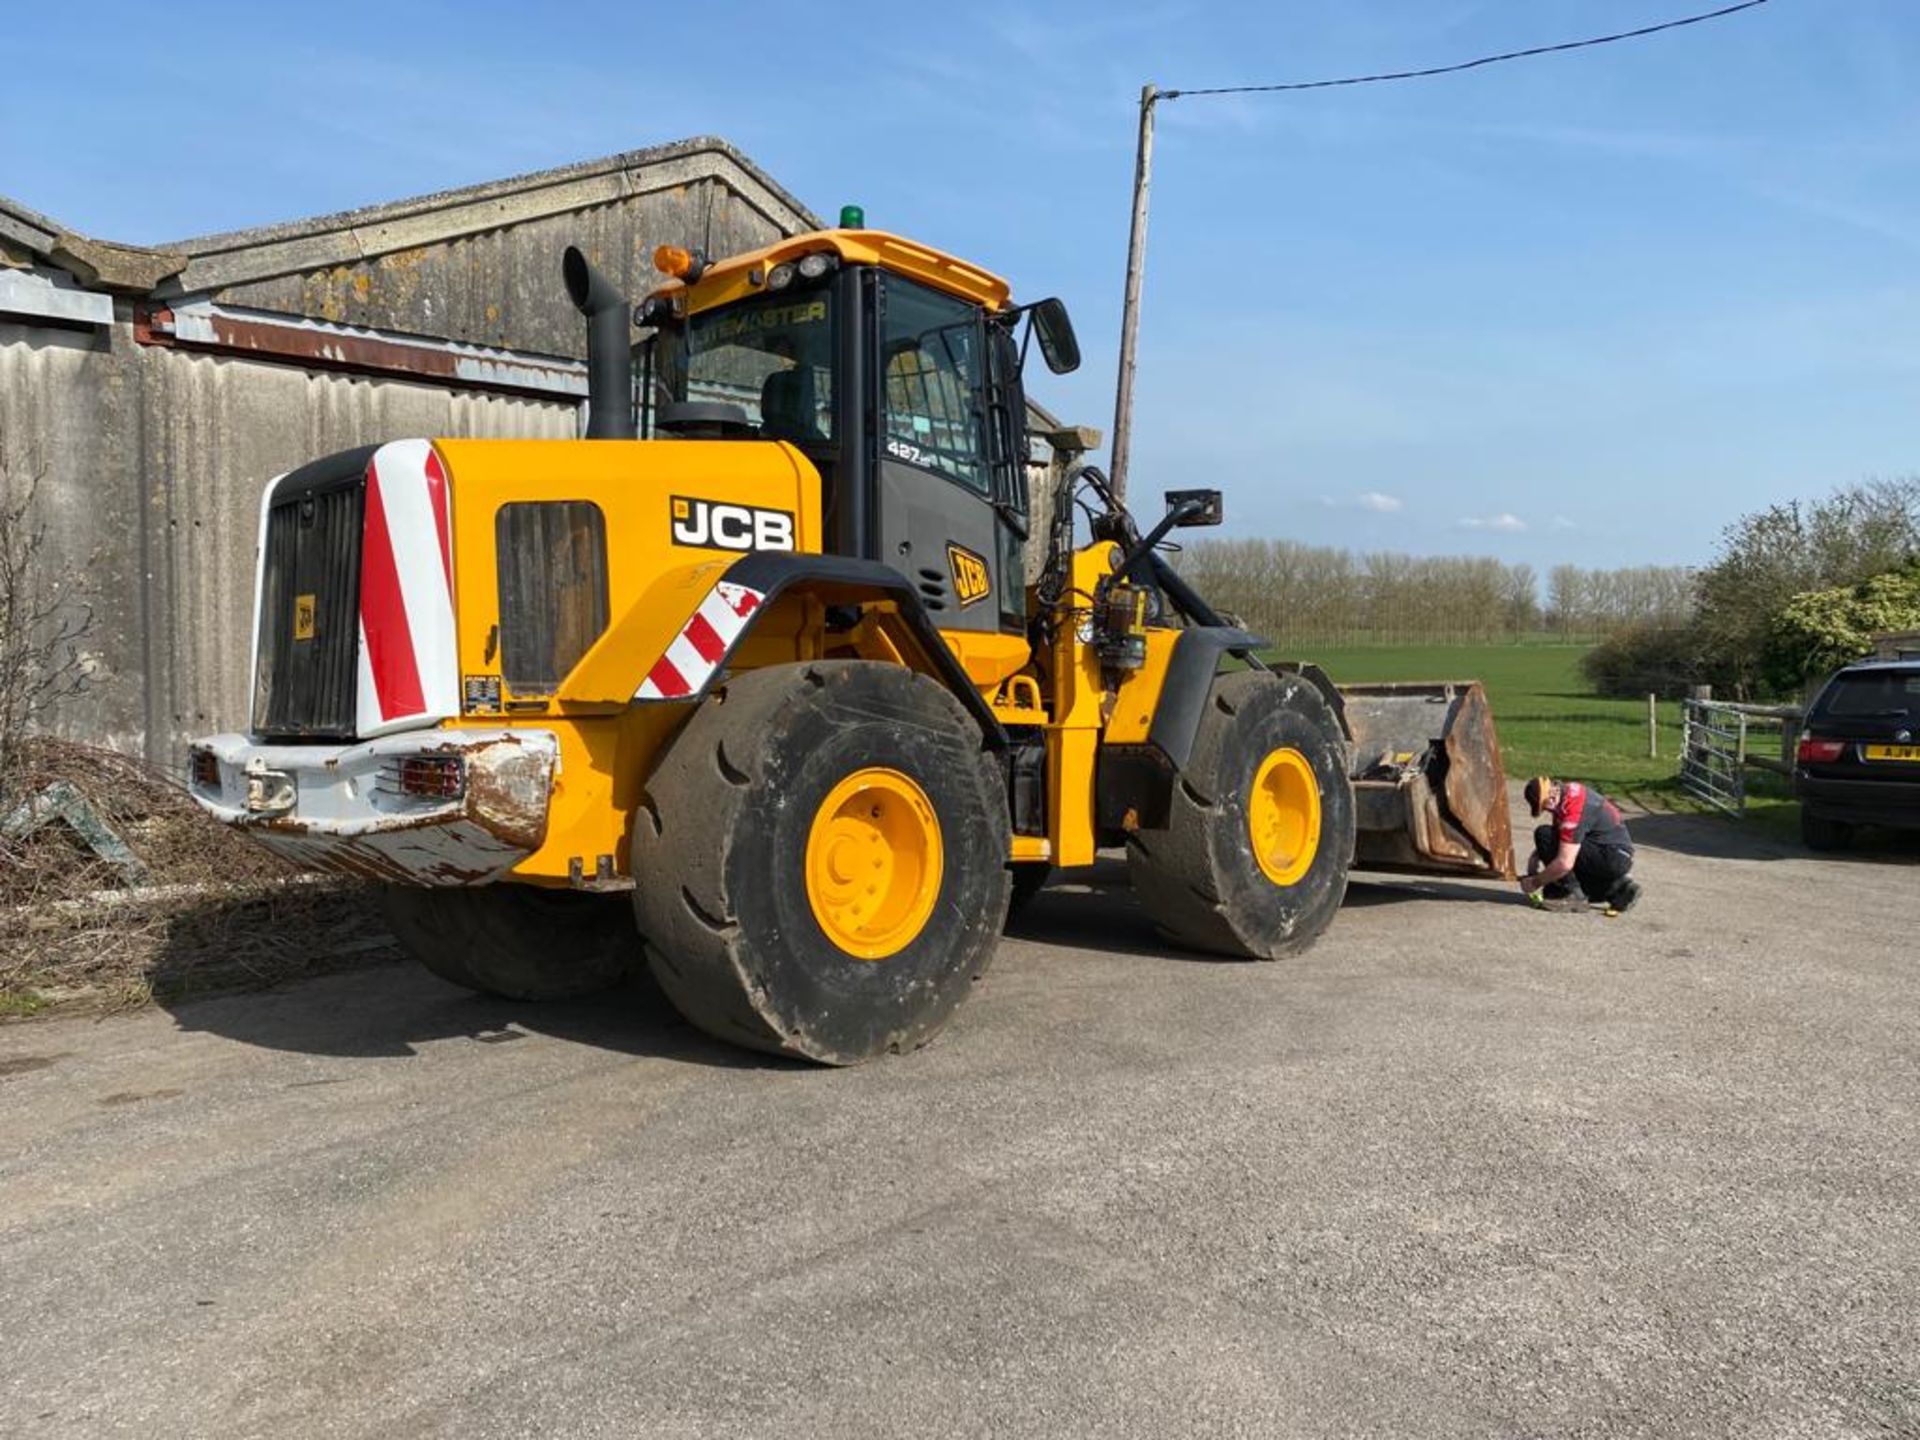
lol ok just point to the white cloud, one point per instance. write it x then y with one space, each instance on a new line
1505 522
1561 522
1377 501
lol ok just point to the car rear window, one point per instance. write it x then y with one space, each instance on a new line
1873 692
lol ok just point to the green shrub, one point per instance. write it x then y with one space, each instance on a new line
1648 658
1818 631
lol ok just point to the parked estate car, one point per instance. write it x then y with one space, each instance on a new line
1859 757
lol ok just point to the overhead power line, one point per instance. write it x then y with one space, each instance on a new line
1455 69
1143 170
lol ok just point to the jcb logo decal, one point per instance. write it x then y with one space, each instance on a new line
305 617
970 580
730 527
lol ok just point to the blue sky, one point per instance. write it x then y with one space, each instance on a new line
1585 308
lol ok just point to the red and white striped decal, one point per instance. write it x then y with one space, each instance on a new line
702 644
409 668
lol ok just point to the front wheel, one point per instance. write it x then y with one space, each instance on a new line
820 862
1253 858
522 942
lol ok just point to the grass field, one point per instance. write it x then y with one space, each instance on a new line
1549 720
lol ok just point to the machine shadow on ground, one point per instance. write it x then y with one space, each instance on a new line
1367 888
1096 906
380 1004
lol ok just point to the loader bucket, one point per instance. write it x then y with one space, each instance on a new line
1430 794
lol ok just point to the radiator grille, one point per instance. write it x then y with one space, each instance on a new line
310 610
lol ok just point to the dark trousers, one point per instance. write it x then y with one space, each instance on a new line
1598 869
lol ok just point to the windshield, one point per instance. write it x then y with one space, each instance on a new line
771 355
1879 693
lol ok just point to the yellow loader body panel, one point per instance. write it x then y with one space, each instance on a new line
653 582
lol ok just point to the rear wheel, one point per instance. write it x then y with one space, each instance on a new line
519 941
1820 833
1253 858
820 861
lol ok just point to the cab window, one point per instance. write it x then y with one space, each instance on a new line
931 373
771 355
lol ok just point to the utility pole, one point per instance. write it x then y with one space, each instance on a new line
1130 307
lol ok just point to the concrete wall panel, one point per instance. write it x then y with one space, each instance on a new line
67 412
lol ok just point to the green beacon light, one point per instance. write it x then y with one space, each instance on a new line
852 217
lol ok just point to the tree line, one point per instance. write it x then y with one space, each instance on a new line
1793 592
1315 594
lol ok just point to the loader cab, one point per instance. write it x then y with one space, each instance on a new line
897 372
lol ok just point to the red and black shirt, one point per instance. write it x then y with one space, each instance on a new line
1586 817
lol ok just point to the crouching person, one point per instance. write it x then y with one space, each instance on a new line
1584 841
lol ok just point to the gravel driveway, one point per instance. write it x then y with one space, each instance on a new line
1466 1169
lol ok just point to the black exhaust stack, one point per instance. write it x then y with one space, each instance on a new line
609 362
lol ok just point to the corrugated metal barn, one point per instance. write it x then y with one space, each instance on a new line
149 393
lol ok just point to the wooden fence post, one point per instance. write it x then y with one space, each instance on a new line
1653 726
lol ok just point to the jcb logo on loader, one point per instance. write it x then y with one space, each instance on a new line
730 527
970 580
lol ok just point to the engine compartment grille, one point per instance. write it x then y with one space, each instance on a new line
307 664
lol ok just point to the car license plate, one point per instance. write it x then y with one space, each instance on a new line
1893 752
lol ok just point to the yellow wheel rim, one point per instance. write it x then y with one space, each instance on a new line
873 863
1283 816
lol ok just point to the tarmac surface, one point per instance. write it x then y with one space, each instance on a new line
1466 1169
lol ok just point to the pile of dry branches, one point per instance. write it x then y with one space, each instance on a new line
212 910
200 909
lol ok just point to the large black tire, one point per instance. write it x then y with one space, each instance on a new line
1817 832
523 942
1199 876
719 859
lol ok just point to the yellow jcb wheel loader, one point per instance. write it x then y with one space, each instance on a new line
764 696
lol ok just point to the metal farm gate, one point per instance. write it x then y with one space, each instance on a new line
1721 741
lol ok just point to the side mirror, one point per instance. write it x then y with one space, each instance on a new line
1058 345
1204 507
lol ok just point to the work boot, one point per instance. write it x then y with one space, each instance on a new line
1623 897
1558 890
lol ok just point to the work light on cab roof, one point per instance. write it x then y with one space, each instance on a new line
679 263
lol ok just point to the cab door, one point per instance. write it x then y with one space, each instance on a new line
1007 450
935 476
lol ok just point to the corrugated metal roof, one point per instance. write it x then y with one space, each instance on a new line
215 262
28 229
244 256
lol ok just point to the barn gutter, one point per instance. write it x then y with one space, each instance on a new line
210 327
47 295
